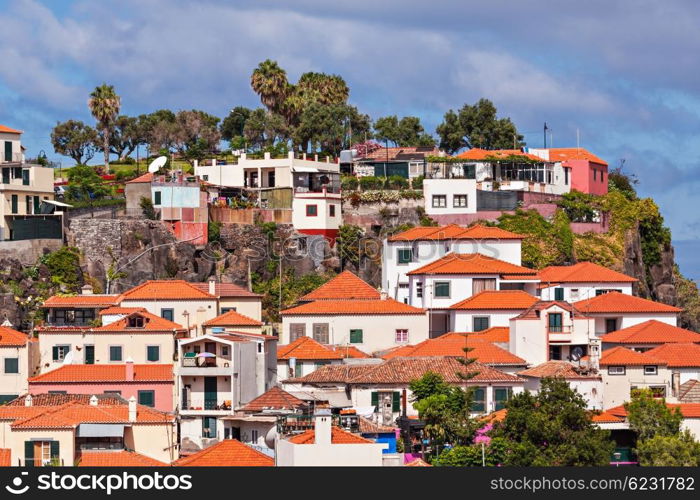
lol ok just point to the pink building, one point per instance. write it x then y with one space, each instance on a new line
152 384
589 174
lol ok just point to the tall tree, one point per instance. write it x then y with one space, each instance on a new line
233 125
650 417
263 129
406 132
160 129
386 129
477 126
269 81
75 139
128 133
327 127
196 133
104 104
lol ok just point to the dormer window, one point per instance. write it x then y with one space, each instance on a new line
651 370
136 322
555 322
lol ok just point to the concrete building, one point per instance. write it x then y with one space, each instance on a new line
20 360
233 297
584 380
647 335
582 281
449 196
489 308
589 174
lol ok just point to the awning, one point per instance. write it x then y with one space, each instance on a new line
306 170
335 399
101 430
57 203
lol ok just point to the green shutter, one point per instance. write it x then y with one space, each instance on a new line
37 204
146 398
15 203
442 289
29 453
375 400
396 402
55 450
11 365
115 353
5 175
8 150
405 255
356 336
54 353
559 293
153 353
25 177
156 198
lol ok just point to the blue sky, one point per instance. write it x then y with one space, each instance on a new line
622 73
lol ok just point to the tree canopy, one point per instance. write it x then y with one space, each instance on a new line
75 139
407 131
104 104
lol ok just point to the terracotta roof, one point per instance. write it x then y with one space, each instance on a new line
353 307
227 453
677 355
623 356
122 458
114 310
650 332
495 416
226 290
369 427
147 177
401 153
453 344
106 373
497 299
689 391
562 369
496 334
455 232
349 351
40 400
8 130
81 301
274 399
5 457
344 286
305 348
471 263
338 436
688 410
616 302
535 311
478 154
232 318
151 323
403 370
563 154
605 417
583 272
418 462
166 290
12 338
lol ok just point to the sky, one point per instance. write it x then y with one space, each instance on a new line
621 73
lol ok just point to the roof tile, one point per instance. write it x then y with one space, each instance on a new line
106 373
274 399
677 355
353 307
344 286
497 299
616 302
227 453
562 369
582 272
626 357
471 263
166 290
453 344
455 232
151 323
306 348
96 300
338 436
651 332
10 337
122 458
232 318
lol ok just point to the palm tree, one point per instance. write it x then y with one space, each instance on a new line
104 104
269 81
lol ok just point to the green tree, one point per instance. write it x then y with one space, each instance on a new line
326 127
650 417
349 245
451 133
75 139
159 129
85 184
552 428
386 128
104 104
669 451
264 129
196 133
149 212
128 132
269 81
233 125
493 454
64 267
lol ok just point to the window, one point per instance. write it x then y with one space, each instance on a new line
135 322
479 400
595 174
419 289
156 197
59 352
297 369
356 336
5 175
480 323
28 205
404 255
320 333
224 310
254 436
459 201
555 322
153 353
224 350
205 178
658 391
375 396
574 294
209 427
501 395
601 291
147 398
566 176
296 330
115 353
15 202
331 210
311 210
319 364
439 201
41 453
168 314
11 365
25 177
442 289
559 293
555 352
8 155
610 325
616 370
481 284
401 336
648 370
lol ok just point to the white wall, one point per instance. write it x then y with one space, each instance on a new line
616 388
449 188
463 321
323 219
625 320
574 292
590 389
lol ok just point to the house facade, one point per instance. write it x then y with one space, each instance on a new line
20 360
585 380
589 173
489 308
615 310
581 281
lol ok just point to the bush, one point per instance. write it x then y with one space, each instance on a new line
412 194
396 182
214 231
349 183
147 206
417 182
370 183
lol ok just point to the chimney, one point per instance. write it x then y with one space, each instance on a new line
213 162
383 295
303 156
86 290
129 370
315 157
676 384
322 426
290 155
267 155
243 156
28 400
196 163
132 409
212 285
93 400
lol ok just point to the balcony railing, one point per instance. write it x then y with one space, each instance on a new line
13 158
206 404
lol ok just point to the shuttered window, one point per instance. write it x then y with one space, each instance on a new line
356 336
153 353
559 293
296 330
321 333
147 398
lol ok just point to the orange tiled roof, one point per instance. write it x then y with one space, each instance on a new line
455 232
349 351
471 263
401 153
616 302
12 338
353 307
45 399
5 457
232 318
344 286
151 323
536 309
105 373
495 416
583 272
338 436
368 427
563 154
453 344
650 332
677 355
626 357
120 310
166 290
95 301
418 462
497 334
8 130
227 453
305 348
605 417
226 290
562 369
122 458
478 154
688 410
497 299
147 177
274 399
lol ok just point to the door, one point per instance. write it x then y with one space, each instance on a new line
8 150
89 354
210 347
209 393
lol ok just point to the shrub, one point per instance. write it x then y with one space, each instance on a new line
349 183
214 231
370 182
417 182
147 206
396 182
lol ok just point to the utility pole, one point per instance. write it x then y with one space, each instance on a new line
545 135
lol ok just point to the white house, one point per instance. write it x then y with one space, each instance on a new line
488 309
304 355
581 281
647 335
614 311
584 380
682 359
449 196
20 360
418 246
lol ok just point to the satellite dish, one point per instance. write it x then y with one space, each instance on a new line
271 437
68 358
157 164
576 353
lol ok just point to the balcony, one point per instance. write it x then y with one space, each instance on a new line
560 334
205 366
12 158
199 405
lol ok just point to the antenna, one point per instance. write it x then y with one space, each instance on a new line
157 164
545 135
578 139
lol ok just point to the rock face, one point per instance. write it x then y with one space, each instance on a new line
656 282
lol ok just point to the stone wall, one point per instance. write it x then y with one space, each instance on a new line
27 252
